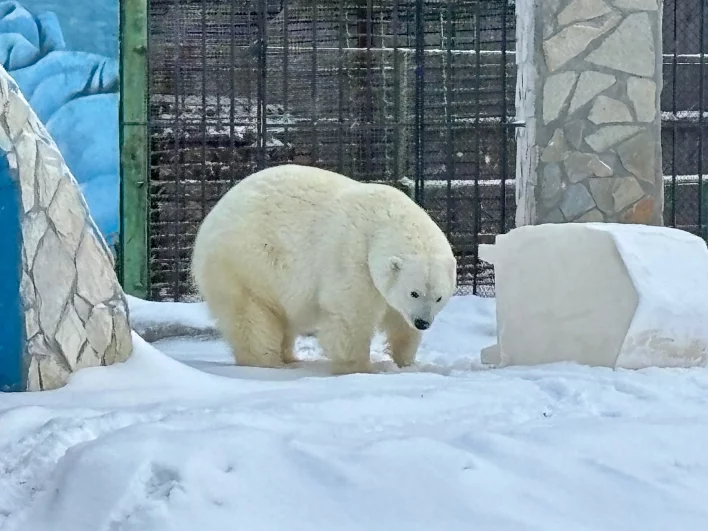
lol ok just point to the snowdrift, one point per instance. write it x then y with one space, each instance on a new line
599 294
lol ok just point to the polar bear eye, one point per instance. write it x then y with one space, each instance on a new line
438 299
415 294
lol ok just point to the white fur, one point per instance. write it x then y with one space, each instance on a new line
295 250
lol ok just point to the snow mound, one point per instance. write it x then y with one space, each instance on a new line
160 444
159 320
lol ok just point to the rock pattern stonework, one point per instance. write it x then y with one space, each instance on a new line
589 81
76 314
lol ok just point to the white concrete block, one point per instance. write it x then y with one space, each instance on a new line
621 296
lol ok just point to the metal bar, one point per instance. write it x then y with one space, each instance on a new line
216 66
340 76
674 59
313 87
286 69
134 148
681 123
177 157
674 106
449 94
701 93
369 105
232 91
477 155
248 66
203 31
396 92
673 176
670 200
361 71
262 114
408 50
459 123
504 117
419 142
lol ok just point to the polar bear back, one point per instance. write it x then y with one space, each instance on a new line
290 233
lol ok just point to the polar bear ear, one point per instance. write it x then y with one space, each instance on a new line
396 263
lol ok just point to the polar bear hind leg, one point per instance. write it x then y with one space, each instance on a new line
255 333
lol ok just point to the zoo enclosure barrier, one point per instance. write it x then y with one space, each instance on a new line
417 93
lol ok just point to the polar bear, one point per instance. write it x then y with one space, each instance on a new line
295 250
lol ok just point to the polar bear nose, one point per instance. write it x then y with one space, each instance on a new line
421 324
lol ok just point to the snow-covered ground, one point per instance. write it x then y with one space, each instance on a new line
179 439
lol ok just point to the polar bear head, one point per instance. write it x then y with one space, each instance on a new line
417 286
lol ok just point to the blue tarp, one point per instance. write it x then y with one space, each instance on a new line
75 95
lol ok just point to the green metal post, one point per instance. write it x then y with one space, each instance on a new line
134 147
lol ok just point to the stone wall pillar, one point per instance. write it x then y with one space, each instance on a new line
588 89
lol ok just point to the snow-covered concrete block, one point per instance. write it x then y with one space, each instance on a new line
613 295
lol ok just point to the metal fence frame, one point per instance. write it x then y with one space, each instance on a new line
133 257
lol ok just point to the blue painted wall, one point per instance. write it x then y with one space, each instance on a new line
88 25
64 56
12 329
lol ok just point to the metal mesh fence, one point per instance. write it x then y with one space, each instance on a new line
684 132
418 94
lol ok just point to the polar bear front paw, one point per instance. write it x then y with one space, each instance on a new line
402 340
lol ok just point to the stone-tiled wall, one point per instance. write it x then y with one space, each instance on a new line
76 314
589 82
